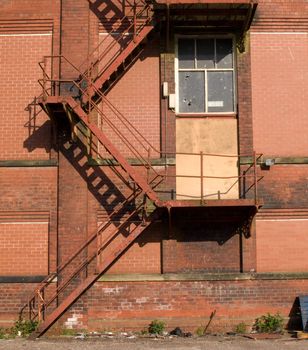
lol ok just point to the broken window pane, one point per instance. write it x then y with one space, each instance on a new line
191 92
205 53
186 53
220 92
224 57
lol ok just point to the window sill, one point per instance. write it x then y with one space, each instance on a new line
207 115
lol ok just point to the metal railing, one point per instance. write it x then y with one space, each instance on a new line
57 284
141 148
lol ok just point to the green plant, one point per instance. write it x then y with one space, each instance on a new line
200 331
269 323
2 333
156 327
68 332
240 328
24 327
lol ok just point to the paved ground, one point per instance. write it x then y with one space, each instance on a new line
203 343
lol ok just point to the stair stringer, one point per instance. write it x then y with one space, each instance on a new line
116 63
90 280
135 175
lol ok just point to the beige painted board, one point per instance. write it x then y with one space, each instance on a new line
208 135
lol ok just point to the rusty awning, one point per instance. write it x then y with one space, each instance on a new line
219 15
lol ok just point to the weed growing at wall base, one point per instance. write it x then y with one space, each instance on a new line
269 324
156 327
24 327
241 328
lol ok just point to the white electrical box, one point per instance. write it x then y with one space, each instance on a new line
172 101
165 89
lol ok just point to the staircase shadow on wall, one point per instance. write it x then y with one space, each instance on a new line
39 129
105 191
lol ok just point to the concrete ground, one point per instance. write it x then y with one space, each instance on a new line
201 343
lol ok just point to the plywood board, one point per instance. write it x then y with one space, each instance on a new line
208 135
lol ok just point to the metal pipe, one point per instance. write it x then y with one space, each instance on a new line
255 175
201 173
135 22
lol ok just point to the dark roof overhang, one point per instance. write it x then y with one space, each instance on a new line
208 15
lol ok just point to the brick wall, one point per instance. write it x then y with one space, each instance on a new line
279 127
12 297
144 256
284 186
188 304
137 96
25 132
282 245
280 97
24 248
27 198
78 34
200 240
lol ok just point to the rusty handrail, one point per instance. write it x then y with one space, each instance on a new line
114 31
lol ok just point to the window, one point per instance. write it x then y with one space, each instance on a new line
205 69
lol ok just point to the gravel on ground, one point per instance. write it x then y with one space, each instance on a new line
196 343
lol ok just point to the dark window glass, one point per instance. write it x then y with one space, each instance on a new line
224 57
205 53
186 53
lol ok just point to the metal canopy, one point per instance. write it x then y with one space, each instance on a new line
211 15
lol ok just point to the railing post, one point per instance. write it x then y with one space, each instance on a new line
97 249
39 306
135 21
44 78
30 310
43 304
255 175
148 166
52 84
201 176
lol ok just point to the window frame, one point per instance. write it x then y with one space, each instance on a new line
234 70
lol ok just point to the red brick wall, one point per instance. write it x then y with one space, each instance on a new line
19 73
144 256
24 248
30 188
201 246
29 30
30 9
137 96
78 34
284 186
12 297
278 114
188 304
280 97
282 245
24 194
244 100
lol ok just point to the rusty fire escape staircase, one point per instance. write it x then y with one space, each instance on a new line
59 290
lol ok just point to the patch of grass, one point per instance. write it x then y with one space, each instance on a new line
240 328
157 327
68 332
23 327
269 323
